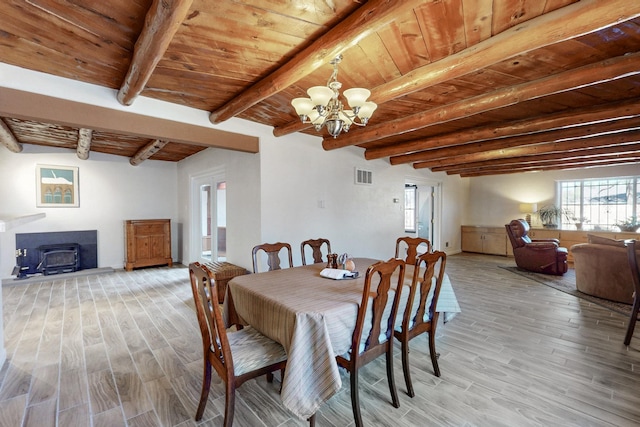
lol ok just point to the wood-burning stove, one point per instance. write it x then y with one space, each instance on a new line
59 258
29 259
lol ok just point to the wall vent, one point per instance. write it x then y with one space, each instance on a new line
363 177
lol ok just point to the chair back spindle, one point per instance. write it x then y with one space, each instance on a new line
377 313
257 354
316 247
426 283
273 255
411 244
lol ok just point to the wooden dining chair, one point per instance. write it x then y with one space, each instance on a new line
635 278
425 288
316 247
375 310
410 246
236 356
273 255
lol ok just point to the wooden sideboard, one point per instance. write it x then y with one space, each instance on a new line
493 239
147 243
484 240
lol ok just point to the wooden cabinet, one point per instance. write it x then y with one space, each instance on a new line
485 240
624 235
494 240
541 234
569 238
147 242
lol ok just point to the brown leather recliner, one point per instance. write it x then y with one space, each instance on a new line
539 255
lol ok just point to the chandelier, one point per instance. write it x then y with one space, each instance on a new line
324 108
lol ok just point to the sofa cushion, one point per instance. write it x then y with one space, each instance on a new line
592 238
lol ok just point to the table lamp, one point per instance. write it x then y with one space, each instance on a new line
528 209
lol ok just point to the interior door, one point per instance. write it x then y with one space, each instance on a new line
427 209
205 222
424 220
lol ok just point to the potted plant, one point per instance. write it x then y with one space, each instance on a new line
579 222
631 224
551 215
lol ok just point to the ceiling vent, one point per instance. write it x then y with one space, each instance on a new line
363 177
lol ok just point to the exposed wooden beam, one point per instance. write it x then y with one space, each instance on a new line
536 166
521 140
84 143
147 151
547 122
582 164
8 139
291 127
530 150
522 162
368 18
34 106
539 166
161 23
583 17
600 72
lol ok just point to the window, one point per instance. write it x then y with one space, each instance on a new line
410 193
600 203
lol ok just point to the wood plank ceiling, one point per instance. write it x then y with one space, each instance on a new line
468 87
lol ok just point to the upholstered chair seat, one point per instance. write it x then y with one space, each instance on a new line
251 350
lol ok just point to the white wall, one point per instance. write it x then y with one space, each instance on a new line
276 196
299 176
494 200
242 173
111 191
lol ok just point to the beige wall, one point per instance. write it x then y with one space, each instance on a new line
494 200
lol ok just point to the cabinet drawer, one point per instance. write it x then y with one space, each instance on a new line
149 229
544 234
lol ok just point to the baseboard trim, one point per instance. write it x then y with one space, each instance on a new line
42 278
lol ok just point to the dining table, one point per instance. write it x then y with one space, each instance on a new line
313 317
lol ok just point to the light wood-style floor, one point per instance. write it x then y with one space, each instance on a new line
123 349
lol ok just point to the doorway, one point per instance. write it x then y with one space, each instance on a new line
423 210
209 207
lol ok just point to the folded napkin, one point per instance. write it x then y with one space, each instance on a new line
337 274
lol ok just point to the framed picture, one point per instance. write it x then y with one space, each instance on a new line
57 186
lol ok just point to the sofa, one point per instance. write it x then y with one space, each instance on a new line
602 269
